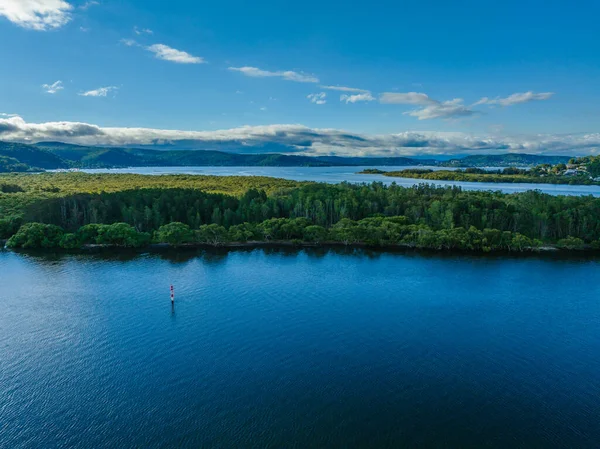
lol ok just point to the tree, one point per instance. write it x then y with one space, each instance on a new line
69 241
36 235
243 232
571 243
9 226
122 234
212 234
175 233
88 234
315 233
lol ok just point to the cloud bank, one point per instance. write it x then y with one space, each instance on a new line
39 15
297 139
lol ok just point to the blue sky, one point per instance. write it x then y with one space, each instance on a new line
514 75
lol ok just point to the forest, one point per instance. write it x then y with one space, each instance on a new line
70 210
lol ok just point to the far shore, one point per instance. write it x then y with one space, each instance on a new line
546 248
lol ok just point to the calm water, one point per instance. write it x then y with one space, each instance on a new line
299 349
350 174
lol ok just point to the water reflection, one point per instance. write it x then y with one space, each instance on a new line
218 255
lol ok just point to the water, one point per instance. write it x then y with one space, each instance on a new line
299 349
350 174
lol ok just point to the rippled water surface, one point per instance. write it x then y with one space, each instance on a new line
299 349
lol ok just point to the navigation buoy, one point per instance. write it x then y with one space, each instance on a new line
172 294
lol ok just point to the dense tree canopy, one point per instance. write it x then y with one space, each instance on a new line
129 210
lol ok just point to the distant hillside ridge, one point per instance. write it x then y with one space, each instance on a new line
505 160
59 155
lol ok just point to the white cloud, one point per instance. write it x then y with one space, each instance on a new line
39 15
356 98
140 31
517 98
167 53
446 109
89 4
429 108
300 139
406 98
319 98
345 89
54 87
285 74
100 92
84 29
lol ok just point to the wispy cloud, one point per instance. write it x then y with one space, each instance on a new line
140 31
319 98
445 109
517 98
100 92
406 98
285 74
129 42
357 97
300 139
54 87
345 89
39 15
167 53
89 4
429 108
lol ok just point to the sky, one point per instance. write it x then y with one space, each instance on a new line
415 77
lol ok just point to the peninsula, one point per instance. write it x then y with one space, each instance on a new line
578 171
72 210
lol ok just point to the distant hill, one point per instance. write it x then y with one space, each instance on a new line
31 155
12 165
59 155
504 160
104 157
389 161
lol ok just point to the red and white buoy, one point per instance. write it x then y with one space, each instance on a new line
172 294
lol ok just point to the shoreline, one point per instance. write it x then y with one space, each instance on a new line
289 244
490 179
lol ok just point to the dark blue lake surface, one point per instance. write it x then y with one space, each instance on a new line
300 349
